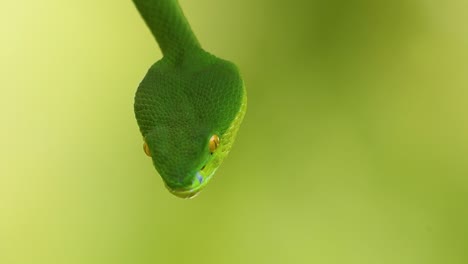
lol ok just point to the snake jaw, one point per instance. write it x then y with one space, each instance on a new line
199 182
187 194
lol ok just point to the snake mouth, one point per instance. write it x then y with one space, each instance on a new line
199 182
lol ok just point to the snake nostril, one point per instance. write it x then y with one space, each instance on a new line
199 178
203 167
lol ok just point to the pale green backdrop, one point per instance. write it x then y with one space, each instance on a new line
354 148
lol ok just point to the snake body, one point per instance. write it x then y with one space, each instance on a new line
190 104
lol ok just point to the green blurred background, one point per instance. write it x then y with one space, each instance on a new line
353 150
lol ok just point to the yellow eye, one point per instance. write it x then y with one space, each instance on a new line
146 149
214 143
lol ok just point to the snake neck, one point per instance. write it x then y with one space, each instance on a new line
169 26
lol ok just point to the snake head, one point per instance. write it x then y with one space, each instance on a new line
189 113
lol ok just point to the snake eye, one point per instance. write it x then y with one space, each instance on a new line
146 149
214 143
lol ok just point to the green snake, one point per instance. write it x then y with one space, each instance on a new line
190 104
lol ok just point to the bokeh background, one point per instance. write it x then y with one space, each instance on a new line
353 150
